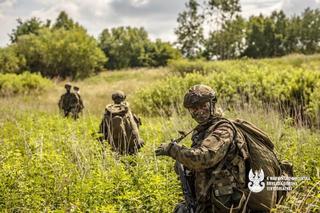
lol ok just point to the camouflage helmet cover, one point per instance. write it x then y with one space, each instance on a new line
199 94
118 95
67 85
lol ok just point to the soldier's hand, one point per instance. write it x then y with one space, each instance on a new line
163 149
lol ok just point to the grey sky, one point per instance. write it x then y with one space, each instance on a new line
158 17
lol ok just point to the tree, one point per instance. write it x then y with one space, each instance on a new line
228 42
225 9
32 25
255 38
292 40
158 53
310 31
65 53
190 30
124 46
131 47
280 22
10 62
63 21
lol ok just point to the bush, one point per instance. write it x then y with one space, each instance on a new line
290 89
130 47
166 95
10 62
25 83
55 164
60 52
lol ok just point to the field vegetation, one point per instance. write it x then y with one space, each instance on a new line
49 163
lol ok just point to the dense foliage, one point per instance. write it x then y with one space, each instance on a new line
53 164
10 62
291 88
63 50
131 47
61 53
231 36
25 83
49 163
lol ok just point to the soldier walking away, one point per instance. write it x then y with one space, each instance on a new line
214 171
68 103
80 105
119 126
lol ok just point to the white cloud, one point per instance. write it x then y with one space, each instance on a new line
157 16
292 7
265 7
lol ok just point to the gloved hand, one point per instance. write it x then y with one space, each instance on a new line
163 149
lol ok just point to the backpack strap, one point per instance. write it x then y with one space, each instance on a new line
242 146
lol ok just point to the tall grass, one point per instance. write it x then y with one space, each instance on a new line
49 163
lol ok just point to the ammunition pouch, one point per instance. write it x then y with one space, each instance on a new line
223 203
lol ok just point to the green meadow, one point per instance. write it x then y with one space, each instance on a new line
53 164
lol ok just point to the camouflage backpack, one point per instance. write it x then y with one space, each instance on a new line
260 152
123 133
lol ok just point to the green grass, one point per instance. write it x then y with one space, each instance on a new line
48 163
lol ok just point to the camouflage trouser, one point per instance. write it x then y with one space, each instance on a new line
201 208
71 112
232 203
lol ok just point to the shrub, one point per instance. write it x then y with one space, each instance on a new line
25 83
290 89
10 62
60 52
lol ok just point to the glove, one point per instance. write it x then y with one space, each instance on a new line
163 149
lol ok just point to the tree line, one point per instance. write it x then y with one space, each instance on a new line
64 49
232 36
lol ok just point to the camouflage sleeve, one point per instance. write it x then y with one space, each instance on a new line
103 129
211 151
81 103
137 119
60 103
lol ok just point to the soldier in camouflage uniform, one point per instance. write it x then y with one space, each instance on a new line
80 105
120 127
215 167
68 103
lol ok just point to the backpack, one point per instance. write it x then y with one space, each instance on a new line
123 133
260 150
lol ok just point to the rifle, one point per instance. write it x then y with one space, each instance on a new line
187 192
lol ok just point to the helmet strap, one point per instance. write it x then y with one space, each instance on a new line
211 107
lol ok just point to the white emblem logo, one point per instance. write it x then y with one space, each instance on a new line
256 183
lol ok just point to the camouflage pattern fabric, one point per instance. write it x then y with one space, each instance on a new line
68 104
212 147
80 105
120 129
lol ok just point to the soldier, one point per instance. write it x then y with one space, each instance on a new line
119 126
68 103
215 166
80 106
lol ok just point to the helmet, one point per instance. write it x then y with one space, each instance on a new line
199 94
68 85
118 96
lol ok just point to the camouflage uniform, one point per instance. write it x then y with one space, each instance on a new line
216 167
68 103
80 105
126 141
213 144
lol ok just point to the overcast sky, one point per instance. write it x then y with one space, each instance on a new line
158 17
